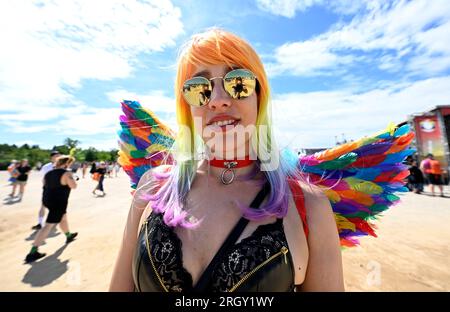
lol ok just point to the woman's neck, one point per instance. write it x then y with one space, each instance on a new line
241 173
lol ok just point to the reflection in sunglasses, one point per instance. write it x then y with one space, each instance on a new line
238 83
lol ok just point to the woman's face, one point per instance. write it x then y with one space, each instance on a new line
225 124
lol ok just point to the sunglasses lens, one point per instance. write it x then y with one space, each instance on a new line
197 91
239 83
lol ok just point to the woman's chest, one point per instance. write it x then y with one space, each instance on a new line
258 262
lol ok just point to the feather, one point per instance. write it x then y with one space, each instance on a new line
361 178
144 142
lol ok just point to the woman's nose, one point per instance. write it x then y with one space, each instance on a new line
219 97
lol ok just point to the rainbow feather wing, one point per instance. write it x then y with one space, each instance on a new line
144 141
360 179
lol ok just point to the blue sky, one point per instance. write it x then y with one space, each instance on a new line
335 66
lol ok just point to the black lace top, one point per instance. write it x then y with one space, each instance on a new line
260 262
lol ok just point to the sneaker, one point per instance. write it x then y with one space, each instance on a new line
71 238
36 227
31 257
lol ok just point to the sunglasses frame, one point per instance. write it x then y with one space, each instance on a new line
223 85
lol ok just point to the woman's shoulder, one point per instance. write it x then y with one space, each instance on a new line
317 206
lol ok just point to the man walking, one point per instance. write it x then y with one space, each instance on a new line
44 170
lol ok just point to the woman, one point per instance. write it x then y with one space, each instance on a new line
84 169
181 215
415 178
13 174
116 168
435 175
100 173
57 186
24 170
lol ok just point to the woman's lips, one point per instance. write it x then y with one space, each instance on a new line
222 119
224 125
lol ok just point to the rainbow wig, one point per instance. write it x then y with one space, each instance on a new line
219 47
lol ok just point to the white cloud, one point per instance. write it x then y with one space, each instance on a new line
306 58
411 32
286 8
94 126
101 144
76 120
47 46
154 100
289 8
30 143
314 119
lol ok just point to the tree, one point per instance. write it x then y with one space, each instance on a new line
91 154
79 155
70 143
37 155
113 154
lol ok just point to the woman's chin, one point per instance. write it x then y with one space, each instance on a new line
230 151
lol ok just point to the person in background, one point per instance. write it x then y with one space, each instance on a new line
93 168
110 168
425 167
84 168
13 174
100 171
24 170
116 168
415 178
57 186
75 166
435 175
44 170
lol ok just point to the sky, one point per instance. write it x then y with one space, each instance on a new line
337 68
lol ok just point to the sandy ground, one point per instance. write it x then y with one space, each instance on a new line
411 253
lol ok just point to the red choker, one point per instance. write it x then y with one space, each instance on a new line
228 174
224 163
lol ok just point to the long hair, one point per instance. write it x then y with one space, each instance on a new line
219 47
64 160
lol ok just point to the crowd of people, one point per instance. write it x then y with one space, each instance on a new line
428 172
20 170
59 177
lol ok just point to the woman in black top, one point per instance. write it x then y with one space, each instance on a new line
57 186
183 214
24 170
100 171
415 178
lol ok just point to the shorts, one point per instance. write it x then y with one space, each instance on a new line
21 182
56 213
435 179
418 186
